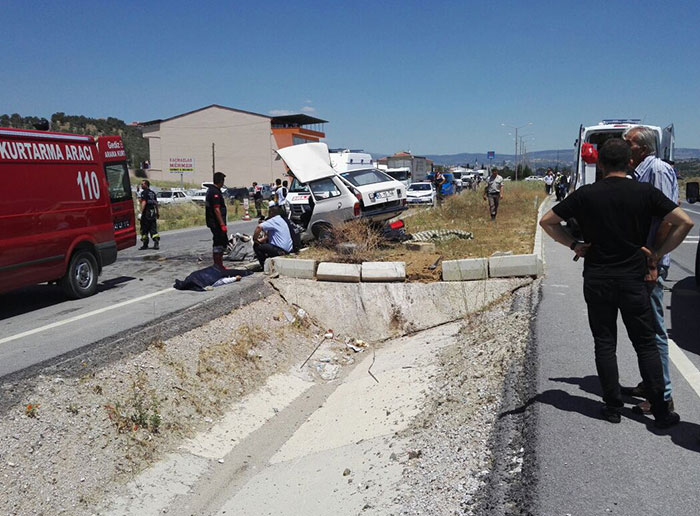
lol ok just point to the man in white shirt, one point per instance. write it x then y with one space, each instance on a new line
272 236
494 191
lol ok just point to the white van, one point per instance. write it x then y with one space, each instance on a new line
585 174
343 160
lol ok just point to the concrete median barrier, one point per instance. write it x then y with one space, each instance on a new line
383 271
294 267
514 265
343 272
466 269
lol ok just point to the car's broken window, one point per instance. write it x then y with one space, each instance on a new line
298 187
324 189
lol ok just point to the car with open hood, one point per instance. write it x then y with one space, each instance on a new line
320 196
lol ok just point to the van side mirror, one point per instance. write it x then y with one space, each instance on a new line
692 192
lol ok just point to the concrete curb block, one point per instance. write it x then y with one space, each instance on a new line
538 248
294 267
383 271
514 265
343 272
466 269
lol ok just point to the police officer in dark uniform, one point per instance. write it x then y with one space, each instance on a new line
215 212
149 215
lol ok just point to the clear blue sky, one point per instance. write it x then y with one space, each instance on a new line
434 77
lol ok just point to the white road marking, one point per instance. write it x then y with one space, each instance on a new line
684 366
688 210
82 316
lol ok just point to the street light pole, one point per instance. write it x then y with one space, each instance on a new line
516 144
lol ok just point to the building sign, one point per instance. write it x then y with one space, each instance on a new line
491 154
181 165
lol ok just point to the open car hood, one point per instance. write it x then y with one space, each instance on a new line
308 161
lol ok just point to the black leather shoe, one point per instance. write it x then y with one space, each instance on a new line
637 392
668 420
611 414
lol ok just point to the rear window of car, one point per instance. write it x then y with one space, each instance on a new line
165 194
366 177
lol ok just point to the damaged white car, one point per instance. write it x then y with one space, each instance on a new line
320 197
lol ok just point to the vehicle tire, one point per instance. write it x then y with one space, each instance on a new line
323 233
81 277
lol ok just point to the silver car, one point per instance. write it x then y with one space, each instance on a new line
318 197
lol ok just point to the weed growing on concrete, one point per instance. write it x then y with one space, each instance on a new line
139 411
32 410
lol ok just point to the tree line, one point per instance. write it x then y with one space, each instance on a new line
135 144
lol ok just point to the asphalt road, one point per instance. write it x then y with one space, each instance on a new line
587 466
135 304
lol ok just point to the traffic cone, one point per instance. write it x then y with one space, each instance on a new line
246 205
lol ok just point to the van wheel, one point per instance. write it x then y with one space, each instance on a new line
81 277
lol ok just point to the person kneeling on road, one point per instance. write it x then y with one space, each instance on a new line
272 236
215 212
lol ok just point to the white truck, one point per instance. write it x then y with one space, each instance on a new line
584 173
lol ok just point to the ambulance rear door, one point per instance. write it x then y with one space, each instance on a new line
667 143
113 155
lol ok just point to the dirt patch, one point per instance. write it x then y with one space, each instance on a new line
73 440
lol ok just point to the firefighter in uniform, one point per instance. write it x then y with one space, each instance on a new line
215 212
149 215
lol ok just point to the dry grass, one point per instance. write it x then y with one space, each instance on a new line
513 230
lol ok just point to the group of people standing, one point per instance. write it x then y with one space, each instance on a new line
630 221
556 182
280 190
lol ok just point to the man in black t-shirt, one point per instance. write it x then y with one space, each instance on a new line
614 215
215 213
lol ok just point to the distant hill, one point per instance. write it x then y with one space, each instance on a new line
546 158
135 144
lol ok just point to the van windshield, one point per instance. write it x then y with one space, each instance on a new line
118 181
399 175
298 187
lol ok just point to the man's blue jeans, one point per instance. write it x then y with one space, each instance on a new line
656 293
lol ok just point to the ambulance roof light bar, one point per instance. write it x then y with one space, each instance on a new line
611 121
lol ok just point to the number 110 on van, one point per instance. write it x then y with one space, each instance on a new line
87 181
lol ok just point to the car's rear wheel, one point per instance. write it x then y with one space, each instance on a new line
81 277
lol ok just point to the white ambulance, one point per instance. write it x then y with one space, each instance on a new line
584 173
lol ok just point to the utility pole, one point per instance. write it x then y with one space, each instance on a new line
213 161
516 144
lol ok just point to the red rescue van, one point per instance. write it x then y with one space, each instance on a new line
66 208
